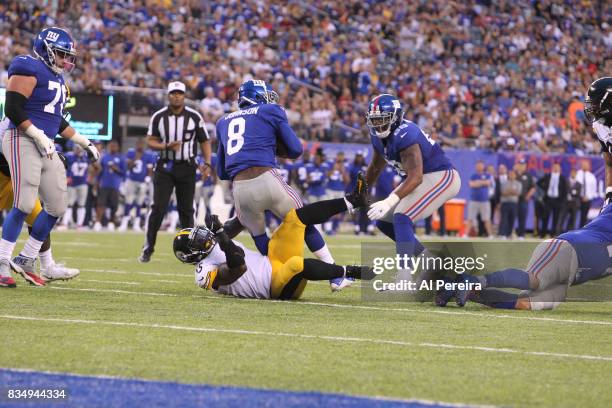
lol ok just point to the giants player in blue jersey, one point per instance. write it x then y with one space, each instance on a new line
205 184
35 97
429 179
572 258
112 171
248 140
337 180
77 165
139 168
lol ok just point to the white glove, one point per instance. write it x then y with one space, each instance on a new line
380 208
92 153
45 145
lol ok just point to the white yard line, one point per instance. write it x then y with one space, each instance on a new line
120 272
518 315
102 281
339 339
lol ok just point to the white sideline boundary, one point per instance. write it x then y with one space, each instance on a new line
313 337
361 307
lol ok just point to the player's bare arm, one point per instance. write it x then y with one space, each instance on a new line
375 167
227 275
412 163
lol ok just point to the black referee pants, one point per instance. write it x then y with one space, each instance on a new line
182 177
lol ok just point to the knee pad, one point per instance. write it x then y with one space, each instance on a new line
295 263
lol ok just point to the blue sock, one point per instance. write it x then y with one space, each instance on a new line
314 240
386 228
405 242
497 298
261 242
127 209
508 278
13 224
42 226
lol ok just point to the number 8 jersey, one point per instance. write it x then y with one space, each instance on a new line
44 107
247 138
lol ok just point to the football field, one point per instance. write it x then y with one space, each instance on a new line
124 319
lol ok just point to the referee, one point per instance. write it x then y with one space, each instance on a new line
174 131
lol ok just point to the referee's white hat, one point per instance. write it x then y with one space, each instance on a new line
176 86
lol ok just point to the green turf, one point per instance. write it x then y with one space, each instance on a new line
326 342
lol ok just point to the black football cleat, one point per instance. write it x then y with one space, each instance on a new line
145 256
359 196
443 295
463 294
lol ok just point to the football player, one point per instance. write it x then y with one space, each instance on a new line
572 258
77 169
248 143
429 179
228 267
35 97
140 167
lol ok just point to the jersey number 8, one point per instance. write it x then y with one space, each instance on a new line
235 132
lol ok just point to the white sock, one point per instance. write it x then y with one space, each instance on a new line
349 206
31 248
80 216
6 249
67 217
324 255
46 258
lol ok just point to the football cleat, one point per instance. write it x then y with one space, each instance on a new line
359 196
6 280
337 284
55 272
25 267
145 256
443 296
463 295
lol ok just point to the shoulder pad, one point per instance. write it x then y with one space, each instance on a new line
23 65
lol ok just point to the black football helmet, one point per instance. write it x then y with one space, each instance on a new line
598 101
191 245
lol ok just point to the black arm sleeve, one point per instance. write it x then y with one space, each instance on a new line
14 107
233 253
63 125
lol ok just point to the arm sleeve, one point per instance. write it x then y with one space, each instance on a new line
14 107
285 133
221 161
201 132
153 129
63 125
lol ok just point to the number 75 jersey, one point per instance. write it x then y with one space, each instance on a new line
44 107
247 138
406 135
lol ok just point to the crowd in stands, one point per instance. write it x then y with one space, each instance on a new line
500 75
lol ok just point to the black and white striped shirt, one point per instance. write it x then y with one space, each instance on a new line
187 127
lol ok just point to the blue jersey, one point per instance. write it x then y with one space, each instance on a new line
44 107
317 179
335 180
479 194
406 135
593 246
302 171
112 178
386 182
77 168
248 137
141 167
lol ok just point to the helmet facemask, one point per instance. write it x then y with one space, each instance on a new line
69 58
199 243
381 122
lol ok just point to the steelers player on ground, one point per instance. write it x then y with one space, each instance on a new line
49 270
227 267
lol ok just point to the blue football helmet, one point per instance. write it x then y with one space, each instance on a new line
255 91
52 43
384 113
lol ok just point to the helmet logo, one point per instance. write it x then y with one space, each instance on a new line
52 36
396 103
